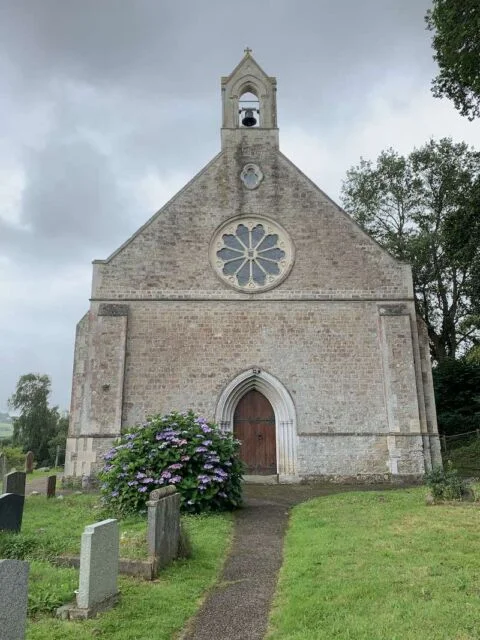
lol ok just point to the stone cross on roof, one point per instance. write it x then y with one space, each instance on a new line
247 51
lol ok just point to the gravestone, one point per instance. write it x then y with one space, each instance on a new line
51 486
14 482
29 460
99 553
3 466
163 531
13 600
11 512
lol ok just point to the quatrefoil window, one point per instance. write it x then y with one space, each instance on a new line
251 175
252 254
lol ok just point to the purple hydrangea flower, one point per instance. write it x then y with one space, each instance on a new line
142 489
208 466
175 479
205 428
147 480
140 475
201 449
207 443
114 494
132 483
166 474
177 465
185 458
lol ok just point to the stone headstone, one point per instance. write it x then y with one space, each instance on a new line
98 565
11 512
163 532
13 600
29 460
51 486
14 482
3 466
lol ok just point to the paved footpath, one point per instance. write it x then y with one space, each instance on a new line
237 608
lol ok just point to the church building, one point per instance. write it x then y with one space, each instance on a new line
256 301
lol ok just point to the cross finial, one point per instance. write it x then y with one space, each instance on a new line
247 51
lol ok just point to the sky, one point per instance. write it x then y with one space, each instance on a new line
108 107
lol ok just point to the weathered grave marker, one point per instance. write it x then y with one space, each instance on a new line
13 601
97 589
163 531
29 460
14 482
3 466
11 512
51 486
99 565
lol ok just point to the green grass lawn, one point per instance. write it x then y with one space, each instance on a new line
44 474
147 610
370 566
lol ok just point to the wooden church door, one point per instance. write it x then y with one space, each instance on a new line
254 426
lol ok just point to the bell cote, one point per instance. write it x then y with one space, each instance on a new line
248 99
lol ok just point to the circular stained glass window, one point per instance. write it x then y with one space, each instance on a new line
252 254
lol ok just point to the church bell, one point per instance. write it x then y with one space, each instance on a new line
249 119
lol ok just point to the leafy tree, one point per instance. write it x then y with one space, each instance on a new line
456 41
59 439
457 396
423 208
37 423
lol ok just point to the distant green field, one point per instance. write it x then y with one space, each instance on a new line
6 430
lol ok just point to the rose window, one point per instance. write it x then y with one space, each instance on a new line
252 254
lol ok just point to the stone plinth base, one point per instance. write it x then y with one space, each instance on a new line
72 612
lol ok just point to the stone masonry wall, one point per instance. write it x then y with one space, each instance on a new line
169 256
184 334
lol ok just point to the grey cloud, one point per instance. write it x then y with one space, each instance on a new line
99 93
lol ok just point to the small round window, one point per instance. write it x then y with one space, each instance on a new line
252 254
251 176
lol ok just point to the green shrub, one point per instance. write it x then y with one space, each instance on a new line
445 483
178 449
15 457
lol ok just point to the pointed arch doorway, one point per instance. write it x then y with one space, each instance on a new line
254 426
285 428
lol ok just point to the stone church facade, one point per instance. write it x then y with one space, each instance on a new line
253 299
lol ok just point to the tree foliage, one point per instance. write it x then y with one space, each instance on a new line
457 396
423 208
456 41
38 424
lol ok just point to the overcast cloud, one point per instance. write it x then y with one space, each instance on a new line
107 107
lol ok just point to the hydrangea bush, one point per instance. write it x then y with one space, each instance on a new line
177 449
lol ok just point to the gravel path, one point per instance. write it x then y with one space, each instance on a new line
237 608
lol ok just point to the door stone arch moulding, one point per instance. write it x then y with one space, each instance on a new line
284 410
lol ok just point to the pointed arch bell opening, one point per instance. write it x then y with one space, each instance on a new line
284 410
